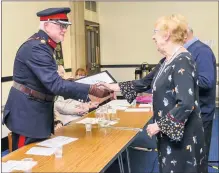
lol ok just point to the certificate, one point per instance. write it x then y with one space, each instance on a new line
103 76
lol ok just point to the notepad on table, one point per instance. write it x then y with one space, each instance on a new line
144 105
11 165
137 110
88 120
57 141
42 151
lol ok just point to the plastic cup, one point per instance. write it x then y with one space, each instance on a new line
88 127
58 152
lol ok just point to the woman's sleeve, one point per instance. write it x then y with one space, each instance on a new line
130 89
184 79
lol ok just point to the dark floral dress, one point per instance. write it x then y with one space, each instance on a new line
175 104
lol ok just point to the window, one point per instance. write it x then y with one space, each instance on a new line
91 5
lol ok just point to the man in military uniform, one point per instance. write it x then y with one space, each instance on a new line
29 109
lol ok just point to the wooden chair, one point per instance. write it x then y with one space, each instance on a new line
10 142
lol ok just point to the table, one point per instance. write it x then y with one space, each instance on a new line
129 119
93 152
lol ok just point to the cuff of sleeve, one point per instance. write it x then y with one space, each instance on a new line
57 122
171 127
127 90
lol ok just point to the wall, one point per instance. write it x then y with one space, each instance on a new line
126 30
19 22
22 16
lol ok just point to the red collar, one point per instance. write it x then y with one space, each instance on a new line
52 43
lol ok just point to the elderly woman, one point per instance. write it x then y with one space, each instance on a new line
177 122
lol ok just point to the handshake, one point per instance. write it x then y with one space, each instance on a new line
102 90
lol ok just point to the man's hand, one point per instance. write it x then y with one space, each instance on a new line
99 91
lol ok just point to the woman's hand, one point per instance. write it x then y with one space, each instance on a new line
113 96
152 129
114 86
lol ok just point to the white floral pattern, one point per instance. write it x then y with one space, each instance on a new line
127 89
173 118
176 112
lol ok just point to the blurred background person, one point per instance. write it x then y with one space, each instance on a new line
80 72
207 77
67 110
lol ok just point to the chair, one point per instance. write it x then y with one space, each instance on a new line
10 142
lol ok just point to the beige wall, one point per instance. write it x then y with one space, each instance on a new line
19 21
126 29
91 16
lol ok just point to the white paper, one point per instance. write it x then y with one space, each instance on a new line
7 167
121 108
144 105
117 103
93 121
137 110
68 118
17 165
42 151
97 78
88 120
111 123
57 141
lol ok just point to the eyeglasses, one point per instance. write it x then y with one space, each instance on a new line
62 26
156 30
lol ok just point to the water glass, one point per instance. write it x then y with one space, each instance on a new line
103 117
133 104
28 169
113 115
58 152
88 127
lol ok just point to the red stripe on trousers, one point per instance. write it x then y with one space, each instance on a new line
21 141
